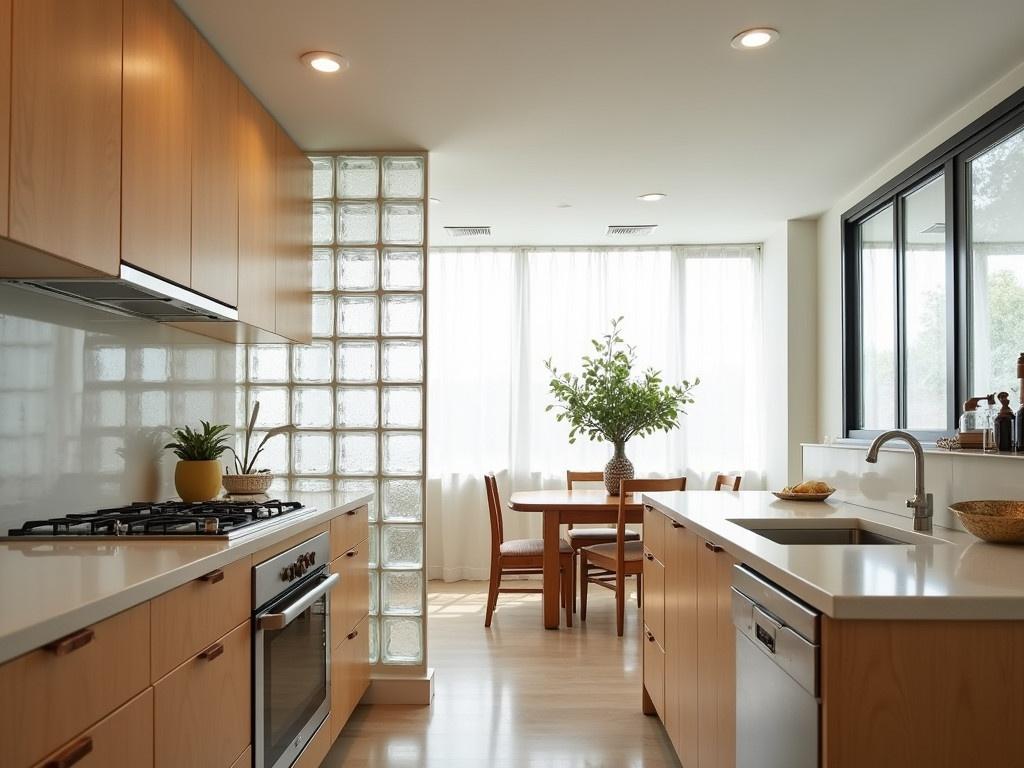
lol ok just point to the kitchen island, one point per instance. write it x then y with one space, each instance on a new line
921 652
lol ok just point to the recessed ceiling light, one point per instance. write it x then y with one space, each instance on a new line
652 197
325 61
755 38
564 205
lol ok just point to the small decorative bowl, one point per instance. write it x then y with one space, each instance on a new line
996 521
247 485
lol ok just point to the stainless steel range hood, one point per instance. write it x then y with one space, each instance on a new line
135 293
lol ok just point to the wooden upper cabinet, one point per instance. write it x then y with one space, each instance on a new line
214 176
257 194
293 237
5 112
157 157
65 160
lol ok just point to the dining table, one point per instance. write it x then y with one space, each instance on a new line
562 506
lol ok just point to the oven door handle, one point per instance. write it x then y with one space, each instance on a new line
283 618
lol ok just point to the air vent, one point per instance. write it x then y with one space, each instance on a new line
623 230
469 231
939 228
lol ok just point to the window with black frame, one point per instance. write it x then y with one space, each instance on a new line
934 283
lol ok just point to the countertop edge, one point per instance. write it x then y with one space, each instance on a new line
26 639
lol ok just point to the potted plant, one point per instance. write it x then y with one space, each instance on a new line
246 480
606 403
197 474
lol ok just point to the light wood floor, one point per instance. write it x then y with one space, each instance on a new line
516 694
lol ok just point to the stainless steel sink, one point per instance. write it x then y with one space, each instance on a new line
824 536
835 531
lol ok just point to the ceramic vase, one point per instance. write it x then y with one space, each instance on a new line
617 469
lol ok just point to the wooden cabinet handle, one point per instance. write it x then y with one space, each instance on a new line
213 577
712 547
676 525
72 642
71 755
650 637
351 512
212 652
352 553
352 635
649 556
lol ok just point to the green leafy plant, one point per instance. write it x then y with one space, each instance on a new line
194 445
605 402
244 465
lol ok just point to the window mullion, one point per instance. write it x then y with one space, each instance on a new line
900 314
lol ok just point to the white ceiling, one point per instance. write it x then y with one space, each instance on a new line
525 105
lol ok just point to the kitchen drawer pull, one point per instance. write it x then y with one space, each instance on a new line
71 755
72 642
650 637
649 556
676 525
212 652
351 512
352 635
213 577
712 547
352 553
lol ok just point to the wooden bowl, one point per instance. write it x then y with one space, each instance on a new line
802 496
247 485
996 521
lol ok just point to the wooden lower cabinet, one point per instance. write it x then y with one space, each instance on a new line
348 529
54 693
202 709
350 601
350 674
695 694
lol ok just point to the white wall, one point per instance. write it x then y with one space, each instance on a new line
86 400
830 352
790 381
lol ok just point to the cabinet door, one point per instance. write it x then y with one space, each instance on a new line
681 713
293 238
726 693
214 176
257 278
654 671
350 601
203 709
156 204
350 675
65 163
707 653
654 595
5 112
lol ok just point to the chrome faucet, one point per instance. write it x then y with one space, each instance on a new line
922 502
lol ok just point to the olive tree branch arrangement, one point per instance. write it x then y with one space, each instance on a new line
605 402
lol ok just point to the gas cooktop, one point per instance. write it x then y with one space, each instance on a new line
221 519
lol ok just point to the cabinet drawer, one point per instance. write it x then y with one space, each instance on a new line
124 737
654 532
56 692
202 709
654 596
350 675
350 601
348 529
654 671
188 619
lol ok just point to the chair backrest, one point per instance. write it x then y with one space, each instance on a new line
572 476
494 509
728 482
626 490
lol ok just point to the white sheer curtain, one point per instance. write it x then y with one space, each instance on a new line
496 315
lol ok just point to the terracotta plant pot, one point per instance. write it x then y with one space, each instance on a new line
197 480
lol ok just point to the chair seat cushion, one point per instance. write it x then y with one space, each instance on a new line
598 535
531 547
634 550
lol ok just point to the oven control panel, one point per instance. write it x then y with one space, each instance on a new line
297 569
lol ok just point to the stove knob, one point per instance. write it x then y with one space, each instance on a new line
312 558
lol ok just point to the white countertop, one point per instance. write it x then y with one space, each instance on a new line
961 577
51 588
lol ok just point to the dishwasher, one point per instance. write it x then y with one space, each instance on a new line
778 701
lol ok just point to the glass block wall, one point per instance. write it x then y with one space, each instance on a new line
356 395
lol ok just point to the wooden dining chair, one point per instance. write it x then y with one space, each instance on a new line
728 482
584 537
520 557
622 558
